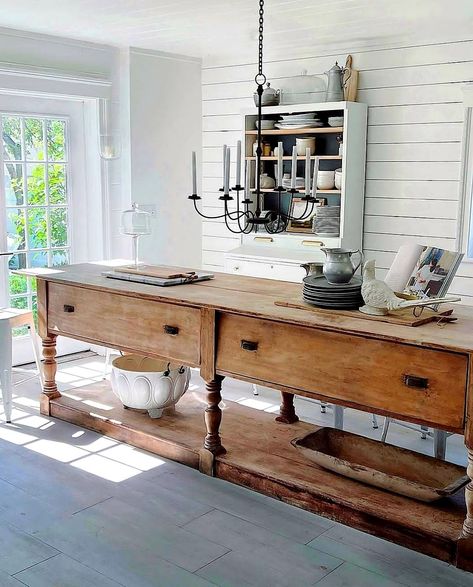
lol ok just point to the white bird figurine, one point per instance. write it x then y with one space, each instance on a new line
380 299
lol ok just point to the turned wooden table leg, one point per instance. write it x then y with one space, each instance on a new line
464 557
50 390
287 413
468 525
213 416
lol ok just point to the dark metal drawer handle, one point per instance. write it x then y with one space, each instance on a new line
414 381
173 330
68 309
249 345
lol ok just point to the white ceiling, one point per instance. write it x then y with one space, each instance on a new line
222 28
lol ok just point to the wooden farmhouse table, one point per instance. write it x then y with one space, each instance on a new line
231 327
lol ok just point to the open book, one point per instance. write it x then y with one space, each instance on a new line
425 272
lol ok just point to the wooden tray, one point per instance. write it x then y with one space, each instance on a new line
383 465
404 317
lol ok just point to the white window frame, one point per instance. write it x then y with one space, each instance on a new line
86 236
465 225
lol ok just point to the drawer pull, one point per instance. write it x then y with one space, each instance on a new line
414 381
263 239
312 243
68 309
173 330
249 345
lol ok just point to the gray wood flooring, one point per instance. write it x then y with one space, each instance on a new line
78 509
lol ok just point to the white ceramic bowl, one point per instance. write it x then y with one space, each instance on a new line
338 178
303 144
335 120
265 124
148 384
326 180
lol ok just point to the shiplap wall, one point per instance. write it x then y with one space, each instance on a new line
415 122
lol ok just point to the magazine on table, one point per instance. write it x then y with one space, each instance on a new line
422 271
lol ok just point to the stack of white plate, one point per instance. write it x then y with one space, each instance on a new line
307 120
327 221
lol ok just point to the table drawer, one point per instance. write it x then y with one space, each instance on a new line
119 321
424 384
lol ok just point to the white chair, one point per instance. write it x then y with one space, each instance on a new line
440 436
13 318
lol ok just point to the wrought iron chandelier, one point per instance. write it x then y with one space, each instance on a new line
248 214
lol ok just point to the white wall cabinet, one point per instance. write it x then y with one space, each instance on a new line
279 256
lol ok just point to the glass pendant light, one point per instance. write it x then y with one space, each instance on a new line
109 137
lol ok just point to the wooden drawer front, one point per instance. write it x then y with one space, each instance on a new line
351 368
125 322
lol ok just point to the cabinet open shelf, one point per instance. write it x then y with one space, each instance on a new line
301 158
298 131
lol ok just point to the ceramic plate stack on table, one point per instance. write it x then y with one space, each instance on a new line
292 121
327 221
317 291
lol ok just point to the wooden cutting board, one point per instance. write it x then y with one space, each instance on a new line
403 317
350 81
161 271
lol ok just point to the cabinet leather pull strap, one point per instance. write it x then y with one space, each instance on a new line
415 381
249 345
173 330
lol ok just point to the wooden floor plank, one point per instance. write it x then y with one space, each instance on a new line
260 456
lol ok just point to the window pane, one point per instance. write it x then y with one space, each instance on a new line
57 183
34 143
56 140
21 302
16 237
59 257
11 138
36 184
18 284
17 261
37 228
13 178
38 259
58 220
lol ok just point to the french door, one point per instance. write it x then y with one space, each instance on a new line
43 197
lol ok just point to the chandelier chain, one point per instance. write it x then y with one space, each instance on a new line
260 38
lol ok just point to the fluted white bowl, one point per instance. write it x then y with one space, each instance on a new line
148 384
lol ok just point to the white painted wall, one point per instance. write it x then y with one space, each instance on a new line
414 141
165 127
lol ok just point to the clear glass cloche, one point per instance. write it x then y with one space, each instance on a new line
135 223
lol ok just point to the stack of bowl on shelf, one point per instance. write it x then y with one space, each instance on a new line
327 221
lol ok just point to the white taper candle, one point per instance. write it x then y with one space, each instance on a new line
194 174
227 172
294 167
224 165
238 164
280 164
247 180
307 171
314 178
